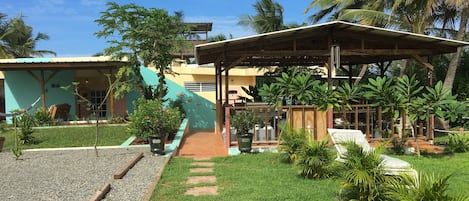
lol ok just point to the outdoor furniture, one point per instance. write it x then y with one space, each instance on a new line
391 165
60 111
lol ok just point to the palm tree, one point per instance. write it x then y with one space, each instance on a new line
269 17
19 41
463 8
331 9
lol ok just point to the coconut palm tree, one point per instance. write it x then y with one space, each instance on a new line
269 17
331 9
20 42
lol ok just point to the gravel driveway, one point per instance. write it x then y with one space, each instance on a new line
76 174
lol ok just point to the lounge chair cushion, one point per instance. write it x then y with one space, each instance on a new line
394 163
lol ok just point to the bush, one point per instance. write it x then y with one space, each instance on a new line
398 145
315 160
179 105
150 118
292 141
26 122
457 143
43 117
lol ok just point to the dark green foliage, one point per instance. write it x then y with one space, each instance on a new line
150 118
457 143
253 92
426 187
398 145
315 160
292 141
42 117
26 122
364 177
179 105
243 121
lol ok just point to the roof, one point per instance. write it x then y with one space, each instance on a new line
103 62
310 45
199 26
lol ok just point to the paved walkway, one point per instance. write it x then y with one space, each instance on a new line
201 145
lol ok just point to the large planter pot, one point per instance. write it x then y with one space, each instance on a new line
157 143
2 140
245 142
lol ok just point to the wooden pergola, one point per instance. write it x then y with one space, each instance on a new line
331 44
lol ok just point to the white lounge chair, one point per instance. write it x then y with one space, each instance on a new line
391 165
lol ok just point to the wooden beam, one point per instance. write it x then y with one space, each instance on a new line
423 62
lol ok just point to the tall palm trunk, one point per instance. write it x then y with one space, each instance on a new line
453 65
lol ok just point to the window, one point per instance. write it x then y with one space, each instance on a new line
200 86
96 98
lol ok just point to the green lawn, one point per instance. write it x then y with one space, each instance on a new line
246 177
71 136
263 177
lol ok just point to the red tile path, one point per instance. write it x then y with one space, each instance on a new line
202 144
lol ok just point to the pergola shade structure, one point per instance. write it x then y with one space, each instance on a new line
312 45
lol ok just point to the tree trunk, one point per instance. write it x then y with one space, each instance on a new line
404 67
453 65
361 74
97 135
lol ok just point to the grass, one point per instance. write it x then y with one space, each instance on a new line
246 177
263 177
71 136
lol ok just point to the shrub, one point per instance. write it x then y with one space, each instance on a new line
150 118
26 122
425 187
457 143
398 145
179 105
43 117
364 177
315 160
292 141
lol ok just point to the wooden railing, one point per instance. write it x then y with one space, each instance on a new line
314 121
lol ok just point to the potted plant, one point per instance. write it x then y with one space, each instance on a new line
151 121
243 122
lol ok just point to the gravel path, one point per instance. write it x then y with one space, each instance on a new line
76 174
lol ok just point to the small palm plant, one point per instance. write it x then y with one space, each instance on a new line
292 141
364 176
425 187
315 160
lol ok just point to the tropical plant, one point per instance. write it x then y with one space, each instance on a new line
292 141
252 91
364 175
315 160
346 95
457 143
179 105
18 40
423 187
148 37
243 121
26 122
42 117
268 18
150 118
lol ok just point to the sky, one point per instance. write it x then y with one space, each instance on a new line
71 27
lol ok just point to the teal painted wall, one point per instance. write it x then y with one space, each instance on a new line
21 90
199 111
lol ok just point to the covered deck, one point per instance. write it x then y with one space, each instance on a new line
333 45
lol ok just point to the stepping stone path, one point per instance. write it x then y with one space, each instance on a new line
208 181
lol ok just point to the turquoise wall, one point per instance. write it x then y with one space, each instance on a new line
21 90
199 111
